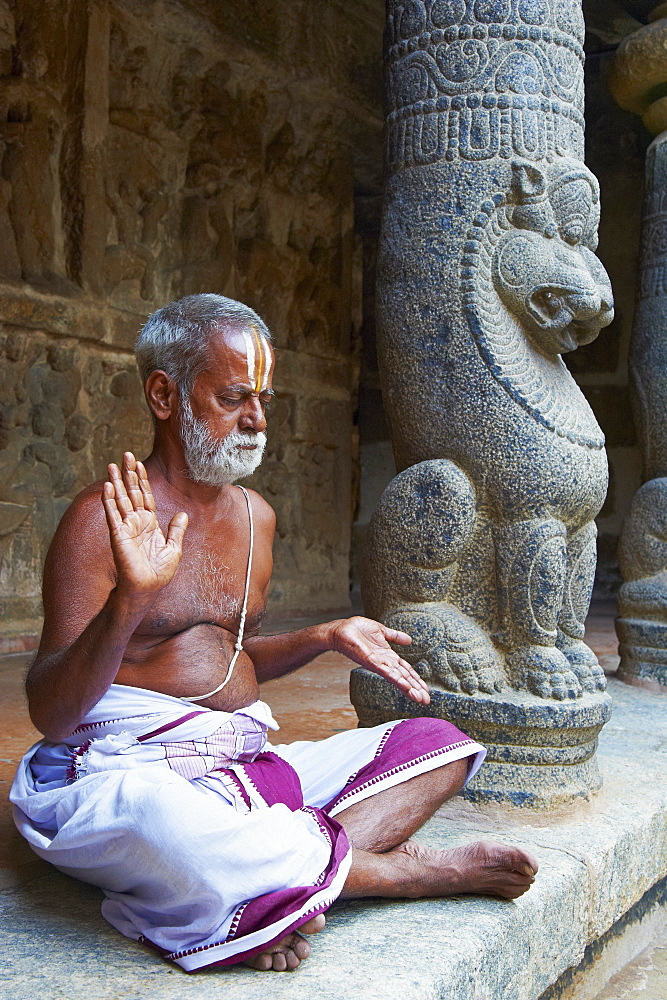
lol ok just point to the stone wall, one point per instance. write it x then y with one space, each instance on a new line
152 149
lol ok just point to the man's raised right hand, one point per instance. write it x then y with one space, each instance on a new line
145 560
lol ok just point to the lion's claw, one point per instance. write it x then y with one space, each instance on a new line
544 671
450 649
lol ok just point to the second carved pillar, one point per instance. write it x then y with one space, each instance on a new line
637 82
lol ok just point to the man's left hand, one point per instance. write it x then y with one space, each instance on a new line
367 643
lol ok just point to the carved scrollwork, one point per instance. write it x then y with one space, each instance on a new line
461 61
409 18
476 80
447 12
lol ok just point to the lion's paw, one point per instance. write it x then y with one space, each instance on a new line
450 649
544 671
583 662
470 672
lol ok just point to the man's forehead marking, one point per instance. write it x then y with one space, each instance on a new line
258 357
250 355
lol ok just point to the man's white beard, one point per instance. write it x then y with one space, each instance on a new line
217 463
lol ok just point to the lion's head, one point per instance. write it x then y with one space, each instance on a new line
534 289
544 268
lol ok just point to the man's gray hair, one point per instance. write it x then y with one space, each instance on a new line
175 338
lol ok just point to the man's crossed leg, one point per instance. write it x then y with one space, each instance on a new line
385 862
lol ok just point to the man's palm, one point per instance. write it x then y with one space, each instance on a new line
367 642
145 560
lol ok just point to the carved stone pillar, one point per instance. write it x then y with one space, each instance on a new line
483 546
637 82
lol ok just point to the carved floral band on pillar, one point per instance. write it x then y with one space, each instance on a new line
638 82
483 546
474 81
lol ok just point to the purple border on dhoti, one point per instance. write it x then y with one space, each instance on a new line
275 780
410 743
274 907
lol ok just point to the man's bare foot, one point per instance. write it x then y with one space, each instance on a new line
485 868
417 872
289 952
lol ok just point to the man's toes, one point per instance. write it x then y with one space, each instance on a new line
300 948
289 952
511 858
262 962
512 892
291 955
516 890
530 862
523 863
512 885
279 961
293 959
314 925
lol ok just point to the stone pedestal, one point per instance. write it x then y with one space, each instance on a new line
637 82
541 754
483 546
642 600
642 646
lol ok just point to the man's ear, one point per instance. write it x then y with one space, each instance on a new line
161 394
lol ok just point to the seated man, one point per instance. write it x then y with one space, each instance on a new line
155 780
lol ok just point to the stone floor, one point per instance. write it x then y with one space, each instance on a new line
643 979
595 862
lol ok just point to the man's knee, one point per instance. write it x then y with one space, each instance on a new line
428 736
457 774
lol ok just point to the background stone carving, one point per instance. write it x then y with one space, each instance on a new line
64 410
150 151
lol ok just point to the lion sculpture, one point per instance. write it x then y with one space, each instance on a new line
483 547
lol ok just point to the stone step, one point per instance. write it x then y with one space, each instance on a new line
597 861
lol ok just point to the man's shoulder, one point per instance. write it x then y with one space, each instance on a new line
86 505
84 521
261 509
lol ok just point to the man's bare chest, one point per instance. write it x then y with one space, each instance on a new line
209 586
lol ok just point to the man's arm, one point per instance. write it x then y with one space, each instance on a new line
360 639
63 685
87 620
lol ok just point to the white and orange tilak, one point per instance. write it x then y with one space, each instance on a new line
258 355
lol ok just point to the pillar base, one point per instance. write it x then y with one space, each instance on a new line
643 652
541 754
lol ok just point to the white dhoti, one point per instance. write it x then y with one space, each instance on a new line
209 843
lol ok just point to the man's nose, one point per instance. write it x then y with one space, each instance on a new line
252 415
